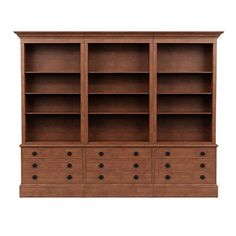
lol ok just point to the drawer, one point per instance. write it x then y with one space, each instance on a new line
103 170
197 152
118 152
185 171
53 152
51 171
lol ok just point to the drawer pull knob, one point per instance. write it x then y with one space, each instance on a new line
34 154
34 165
202 153
69 165
202 165
167 153
69 154
101 165
136 177
101 177
34 177
167 177
136 165
167 165
101 153
136 154
202 177
69 177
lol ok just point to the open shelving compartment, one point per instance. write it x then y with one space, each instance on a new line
52 93
184 93
118 92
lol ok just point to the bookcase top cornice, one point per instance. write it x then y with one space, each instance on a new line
111 34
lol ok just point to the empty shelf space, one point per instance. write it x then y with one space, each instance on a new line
53 83
52 57
118 83
118 128
184 103
53 103
189 83
184 57
118 103
184 128
53 128
118 57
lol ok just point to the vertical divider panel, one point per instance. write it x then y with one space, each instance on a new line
152 130
23 93
214 51
154 95
84 93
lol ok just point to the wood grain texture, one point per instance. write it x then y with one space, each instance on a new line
132 107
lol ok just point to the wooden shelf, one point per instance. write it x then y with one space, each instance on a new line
116 93
184 72
184 113
118 72
183 93
118 113
33 93
52 72
53 113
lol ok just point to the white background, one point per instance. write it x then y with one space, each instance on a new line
115 216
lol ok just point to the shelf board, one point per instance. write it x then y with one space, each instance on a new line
53 113
122 143
30 93
185 143
52 72
183 93
118 113
52 143
184 113
118 72
116 93
184 72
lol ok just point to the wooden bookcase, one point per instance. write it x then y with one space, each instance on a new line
118 114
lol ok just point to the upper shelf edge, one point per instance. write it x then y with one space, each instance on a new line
150 34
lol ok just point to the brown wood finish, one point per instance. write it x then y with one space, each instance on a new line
120 99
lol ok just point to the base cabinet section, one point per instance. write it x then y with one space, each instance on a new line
118 172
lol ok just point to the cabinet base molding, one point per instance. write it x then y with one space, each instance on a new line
118 190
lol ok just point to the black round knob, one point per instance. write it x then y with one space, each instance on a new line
34 165
202 153
202 177
101 177
34 154
136 154
167 165
69 165
167 153
69 177
136 177
100 165
202 165
101 153
136 165
34 177
167 177
69 154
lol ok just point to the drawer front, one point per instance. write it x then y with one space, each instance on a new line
51 171
53 152
118 152
185 171
198 152
103 170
